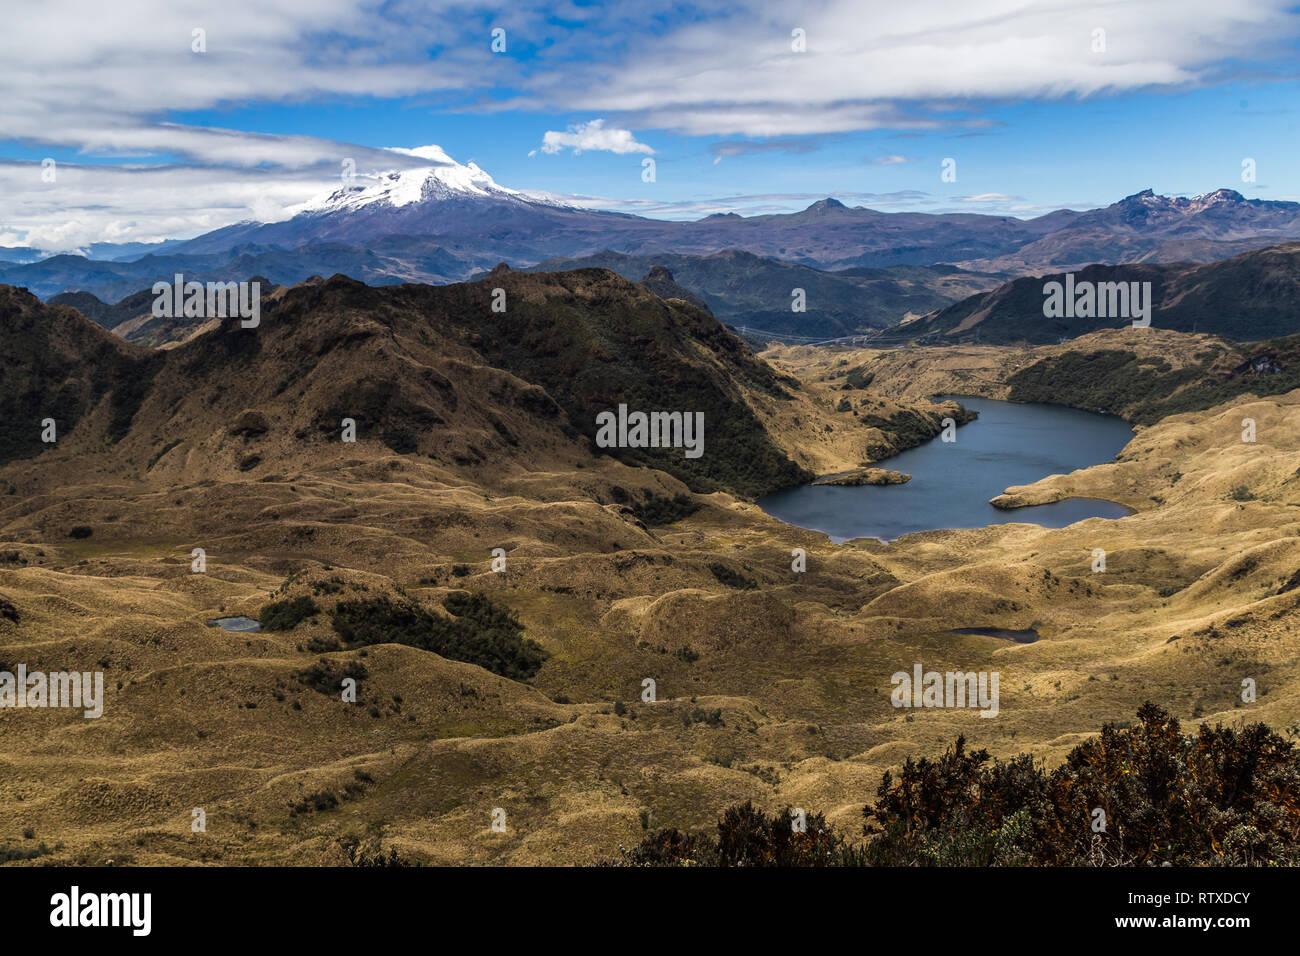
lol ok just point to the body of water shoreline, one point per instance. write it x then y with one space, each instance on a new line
952 482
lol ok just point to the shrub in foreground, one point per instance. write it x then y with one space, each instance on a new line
1221 797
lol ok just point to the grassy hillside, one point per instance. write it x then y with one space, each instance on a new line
59 366
521 686
1147 389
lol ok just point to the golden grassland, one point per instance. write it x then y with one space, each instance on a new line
1197 595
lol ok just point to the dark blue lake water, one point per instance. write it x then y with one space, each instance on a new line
952 482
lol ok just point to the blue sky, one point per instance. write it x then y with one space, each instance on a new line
154 139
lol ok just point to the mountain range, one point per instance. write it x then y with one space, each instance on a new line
449 222
859 270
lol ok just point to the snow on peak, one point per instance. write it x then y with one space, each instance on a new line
445 179
1217 197
1148 198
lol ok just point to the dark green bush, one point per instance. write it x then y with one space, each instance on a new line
372 854
480 632
747 837
659 509
326 677
731 578
1220 797
288 614
10 854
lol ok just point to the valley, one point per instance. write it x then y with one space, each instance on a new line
476 432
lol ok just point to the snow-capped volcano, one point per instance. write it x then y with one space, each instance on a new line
438 198
446 179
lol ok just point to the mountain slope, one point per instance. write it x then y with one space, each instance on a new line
756 292
1255 295
58 365
108 315
422 369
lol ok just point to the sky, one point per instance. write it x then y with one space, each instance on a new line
138 122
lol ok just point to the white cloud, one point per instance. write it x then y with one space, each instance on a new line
731 70
141 203
991 197
111 79
593 135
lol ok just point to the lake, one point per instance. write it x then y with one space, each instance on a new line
243 625
952 482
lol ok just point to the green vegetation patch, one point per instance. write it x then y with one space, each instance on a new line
660 509
286 615
480 631
1145 390
732 578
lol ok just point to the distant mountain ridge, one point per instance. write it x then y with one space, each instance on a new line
1252 296
448 222
743 289
1149 227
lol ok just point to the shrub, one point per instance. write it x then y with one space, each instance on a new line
748 837
372 854
288 614
480 632
858 377
318 802
326 677
698 715
659 509
80 531
732 579
1221 796
10 854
